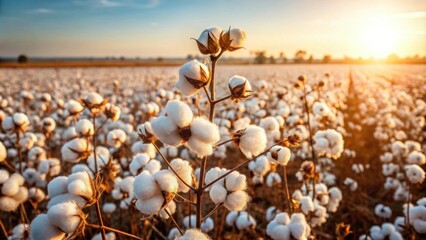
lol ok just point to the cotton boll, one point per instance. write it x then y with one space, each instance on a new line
75 150
235 182
179 112
218 193
204 131
279 232
70 133
298 225
270 214
260 166
30 175
420 226
192 76
245 221
252 141
80 184
200 148
102 158
41 228
376 232
279 154
116 138
66 216
145 186
414 173
84 128
8 204
213 174
383 211
184 170
238 38
57 186
21 195
166 131
414 157
150 206
10 187
166 180
306 205
73 107
236 201
272 179
142 161
193 234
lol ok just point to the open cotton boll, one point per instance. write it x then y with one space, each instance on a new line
279 154
36 194
245 221
236 201
66 216
414 173
213 174
273 178
205 131
166 131
75 150
37 154
252 141
152 205
184 170
41 228
66 197
238 38
414 157
57 186
306 204
142 161
73 107
179 112
116 138
166 180
320 109
298 225
145 186
70 133
383 211
200 148
235 182
260 166
3 152
93 98
8 204
80 184
193 76
10 188
193 234
218 193
208 41
84 128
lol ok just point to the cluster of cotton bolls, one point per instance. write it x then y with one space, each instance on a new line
13 193
285 227
155 192
242 220
229 191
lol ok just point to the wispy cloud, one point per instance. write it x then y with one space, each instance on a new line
108 3
41 11
118 3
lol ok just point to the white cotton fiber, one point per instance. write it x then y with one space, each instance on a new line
179 112
145 186
66 216
41 228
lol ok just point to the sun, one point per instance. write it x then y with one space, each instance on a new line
379 38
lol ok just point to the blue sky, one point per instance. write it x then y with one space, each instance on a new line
151 28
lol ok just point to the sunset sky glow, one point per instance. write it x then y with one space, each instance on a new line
152 28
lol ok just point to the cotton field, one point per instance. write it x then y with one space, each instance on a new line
206 151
